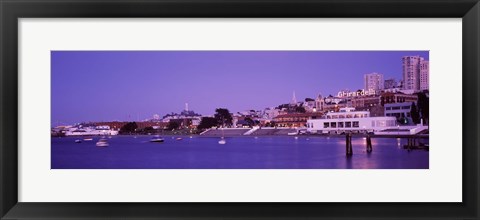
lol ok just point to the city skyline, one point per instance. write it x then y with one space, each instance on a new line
131 85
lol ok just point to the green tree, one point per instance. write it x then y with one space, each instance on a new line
309 100
207 122
128 128
300 109
173 125
223 117
414 114
424 106
250 122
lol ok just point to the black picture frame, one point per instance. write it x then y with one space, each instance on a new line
12 10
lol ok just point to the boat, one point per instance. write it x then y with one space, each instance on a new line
78 141
292 133
157 139
102 143
88 139
222 141
178 138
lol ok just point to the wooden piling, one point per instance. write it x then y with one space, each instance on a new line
348 141
369 144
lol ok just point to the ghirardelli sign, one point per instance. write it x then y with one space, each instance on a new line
357 93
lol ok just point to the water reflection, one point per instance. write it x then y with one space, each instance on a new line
238 153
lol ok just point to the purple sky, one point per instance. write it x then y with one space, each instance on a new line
124 85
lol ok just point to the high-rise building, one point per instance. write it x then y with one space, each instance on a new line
414 67
424 75
390 83
374 81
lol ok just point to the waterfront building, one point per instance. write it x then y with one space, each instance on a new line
374 81
399 111
295 120
413 68
349 120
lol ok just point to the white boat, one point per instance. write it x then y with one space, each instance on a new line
349 120
102 143
88 139
78 141
178 138
292 133
157 139
222 140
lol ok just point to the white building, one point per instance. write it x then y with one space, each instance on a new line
415 72
374 81
399 110
424 75
349 120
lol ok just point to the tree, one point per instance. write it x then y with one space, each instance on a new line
423 106
128 128
149 128
414 114
270 124
223 117
300 109
309 100
173 125
207 122
250 122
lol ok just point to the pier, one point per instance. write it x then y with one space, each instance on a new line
413 142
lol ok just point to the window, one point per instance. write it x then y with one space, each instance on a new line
326 125
340 124
405 107
348 124
356 124
395 108
333 124
389 108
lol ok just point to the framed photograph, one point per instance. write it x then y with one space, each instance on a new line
227 109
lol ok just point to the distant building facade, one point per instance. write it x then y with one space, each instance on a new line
374 81
295 119
388 97
415 72
424 75
390 84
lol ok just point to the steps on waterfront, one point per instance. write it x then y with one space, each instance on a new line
227 132
273 131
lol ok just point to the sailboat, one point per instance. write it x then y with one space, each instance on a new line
222 140
157 139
